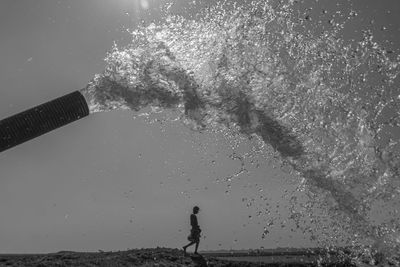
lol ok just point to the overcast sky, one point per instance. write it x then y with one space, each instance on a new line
112 181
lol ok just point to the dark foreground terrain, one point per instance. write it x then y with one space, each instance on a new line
165 257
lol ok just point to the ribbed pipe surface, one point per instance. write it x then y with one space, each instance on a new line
44 118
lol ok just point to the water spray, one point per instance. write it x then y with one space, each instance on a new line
251 71
41 119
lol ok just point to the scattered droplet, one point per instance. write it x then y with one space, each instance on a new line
353 13
144 4
265 232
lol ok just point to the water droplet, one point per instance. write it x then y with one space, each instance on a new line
353 13
144 4
265 232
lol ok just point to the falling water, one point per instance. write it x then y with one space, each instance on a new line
330 108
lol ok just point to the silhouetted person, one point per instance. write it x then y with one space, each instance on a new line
194 236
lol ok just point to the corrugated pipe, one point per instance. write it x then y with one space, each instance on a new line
44 118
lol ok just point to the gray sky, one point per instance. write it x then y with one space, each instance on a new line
112 181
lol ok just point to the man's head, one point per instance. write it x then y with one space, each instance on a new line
196 209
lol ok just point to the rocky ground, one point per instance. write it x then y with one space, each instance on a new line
165 257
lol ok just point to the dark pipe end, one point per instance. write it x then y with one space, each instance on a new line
44 118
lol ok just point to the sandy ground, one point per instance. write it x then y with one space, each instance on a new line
139 257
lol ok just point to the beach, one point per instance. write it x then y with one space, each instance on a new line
166 257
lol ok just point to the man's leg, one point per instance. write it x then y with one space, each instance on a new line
188 245
197 246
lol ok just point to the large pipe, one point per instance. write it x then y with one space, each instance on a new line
44 118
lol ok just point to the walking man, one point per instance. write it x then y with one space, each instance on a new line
194 236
